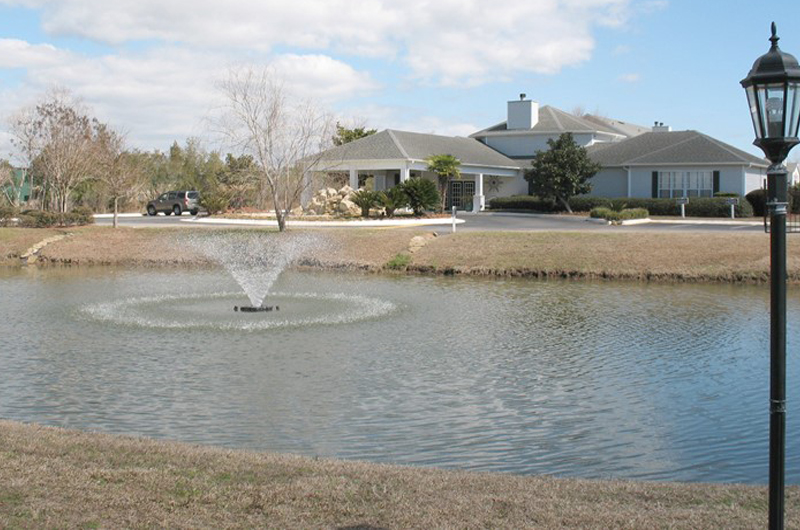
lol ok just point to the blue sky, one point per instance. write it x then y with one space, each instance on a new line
150 68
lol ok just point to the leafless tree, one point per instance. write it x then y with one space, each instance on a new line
119 170
284 136
8 184
58 140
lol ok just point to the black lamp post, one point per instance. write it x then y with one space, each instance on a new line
773 92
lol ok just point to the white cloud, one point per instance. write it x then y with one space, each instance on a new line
16 53
630 78
447 41
166 93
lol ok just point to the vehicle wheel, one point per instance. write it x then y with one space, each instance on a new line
194 212
151 210
176 209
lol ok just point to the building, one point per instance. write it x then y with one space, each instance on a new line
637 161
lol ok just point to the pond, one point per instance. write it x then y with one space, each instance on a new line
596 380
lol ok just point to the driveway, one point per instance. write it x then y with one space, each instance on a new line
484 221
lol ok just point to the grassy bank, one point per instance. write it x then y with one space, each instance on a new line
55 478
726 257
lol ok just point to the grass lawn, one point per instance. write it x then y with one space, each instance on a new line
726 257
66 479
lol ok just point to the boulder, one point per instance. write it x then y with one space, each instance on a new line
348 207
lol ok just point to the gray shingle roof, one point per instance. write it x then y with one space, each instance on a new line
671 148
402 145
553 120
620 127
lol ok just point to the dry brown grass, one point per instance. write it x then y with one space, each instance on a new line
651 256
55 478
15 241
729 257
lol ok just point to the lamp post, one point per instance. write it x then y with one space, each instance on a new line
773 92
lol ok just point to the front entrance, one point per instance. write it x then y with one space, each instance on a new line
460 194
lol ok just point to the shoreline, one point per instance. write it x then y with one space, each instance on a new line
56 477
638 257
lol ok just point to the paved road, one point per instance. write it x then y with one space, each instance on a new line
498 221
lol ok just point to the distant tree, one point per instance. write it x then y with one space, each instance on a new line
562 171
120 172
58 138
285 137
9 186
446 167
344 135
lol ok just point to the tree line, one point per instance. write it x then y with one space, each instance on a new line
73 159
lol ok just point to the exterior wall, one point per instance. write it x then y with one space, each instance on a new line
528 144
732 179
611 182
754 179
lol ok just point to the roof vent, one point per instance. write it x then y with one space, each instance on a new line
522 96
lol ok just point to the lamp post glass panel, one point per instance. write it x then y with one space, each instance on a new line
773 89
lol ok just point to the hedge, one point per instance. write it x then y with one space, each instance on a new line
697 207
602 212
43 219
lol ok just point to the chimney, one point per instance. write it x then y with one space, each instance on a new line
522 114
660 127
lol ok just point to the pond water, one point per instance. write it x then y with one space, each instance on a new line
598 380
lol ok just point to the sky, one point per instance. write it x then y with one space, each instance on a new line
152 68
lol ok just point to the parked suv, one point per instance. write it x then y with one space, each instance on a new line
175 202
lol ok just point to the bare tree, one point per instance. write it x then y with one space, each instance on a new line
284 137
8 184
57 138
119 170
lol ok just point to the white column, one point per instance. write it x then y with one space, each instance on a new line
479 200
354 178
405 174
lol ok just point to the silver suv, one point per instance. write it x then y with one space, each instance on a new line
175 202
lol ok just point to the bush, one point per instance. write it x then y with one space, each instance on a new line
758 201
422 194
365 199
215 201
38 219
524 202
400 261
625 214
392 199
697 207
80 216
7 213
586 204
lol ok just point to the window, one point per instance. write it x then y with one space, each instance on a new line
672 184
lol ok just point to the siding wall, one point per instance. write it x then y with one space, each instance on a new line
612 182
527 145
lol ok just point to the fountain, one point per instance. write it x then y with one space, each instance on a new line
256 259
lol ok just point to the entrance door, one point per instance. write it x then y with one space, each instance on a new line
461 194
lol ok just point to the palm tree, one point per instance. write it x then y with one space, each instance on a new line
446 167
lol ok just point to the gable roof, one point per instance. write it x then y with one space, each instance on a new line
403 145
552 121
671 148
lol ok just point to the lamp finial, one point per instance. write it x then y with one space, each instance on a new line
774 39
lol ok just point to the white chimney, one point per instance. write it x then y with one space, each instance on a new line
522 114
660 127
